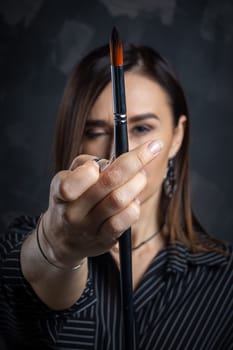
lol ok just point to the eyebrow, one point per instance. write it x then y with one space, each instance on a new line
140 117
96 122
134 119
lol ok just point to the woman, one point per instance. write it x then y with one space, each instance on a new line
60 275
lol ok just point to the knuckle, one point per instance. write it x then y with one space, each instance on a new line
74 183
65 189
58 178
133 211
142 179
79 161
58 184
122 221
141 157
75 163
93 171
116 200
82 158
111 178
115 224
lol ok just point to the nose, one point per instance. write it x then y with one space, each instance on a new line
112 147
130 144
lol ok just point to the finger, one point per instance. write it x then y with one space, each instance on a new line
120 171
69 185
127 165
113 228
83 158
115 202
118 199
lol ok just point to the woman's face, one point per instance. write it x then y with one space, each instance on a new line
149 117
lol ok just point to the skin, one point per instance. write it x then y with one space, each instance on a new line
89 209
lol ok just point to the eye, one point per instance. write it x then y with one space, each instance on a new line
93 133
141 129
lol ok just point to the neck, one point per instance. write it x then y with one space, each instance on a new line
143 231
147 224
148 239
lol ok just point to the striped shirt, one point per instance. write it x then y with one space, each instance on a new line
184 301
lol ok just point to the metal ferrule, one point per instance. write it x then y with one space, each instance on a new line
120 118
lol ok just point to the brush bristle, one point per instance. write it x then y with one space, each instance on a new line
116 49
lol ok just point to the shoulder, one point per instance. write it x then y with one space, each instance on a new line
22 223
206 275
214 270
217 259
212 273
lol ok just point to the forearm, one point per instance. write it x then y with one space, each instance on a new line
57 288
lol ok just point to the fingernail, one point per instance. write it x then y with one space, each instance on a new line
155 146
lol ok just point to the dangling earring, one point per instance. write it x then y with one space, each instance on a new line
170 179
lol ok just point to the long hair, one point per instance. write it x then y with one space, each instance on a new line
87 81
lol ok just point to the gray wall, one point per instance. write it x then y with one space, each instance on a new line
40 42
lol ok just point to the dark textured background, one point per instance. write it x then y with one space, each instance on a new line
40 42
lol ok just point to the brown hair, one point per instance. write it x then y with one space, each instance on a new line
87 81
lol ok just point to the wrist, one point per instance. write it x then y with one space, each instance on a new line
49 255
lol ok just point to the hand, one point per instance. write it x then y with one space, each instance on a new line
89 210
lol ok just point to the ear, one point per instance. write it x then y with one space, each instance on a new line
178 136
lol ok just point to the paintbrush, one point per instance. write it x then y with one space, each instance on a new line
121 146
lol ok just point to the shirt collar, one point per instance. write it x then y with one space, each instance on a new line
177 260
180 258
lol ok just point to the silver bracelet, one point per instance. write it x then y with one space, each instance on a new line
60 267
